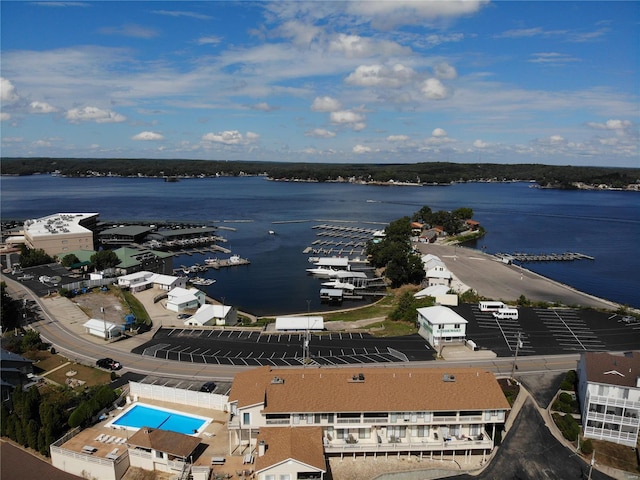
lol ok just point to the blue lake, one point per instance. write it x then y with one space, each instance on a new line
602 224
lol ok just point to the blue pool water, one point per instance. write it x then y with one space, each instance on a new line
144 416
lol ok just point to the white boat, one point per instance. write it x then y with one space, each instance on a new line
271 232
211 261
234 259
322 272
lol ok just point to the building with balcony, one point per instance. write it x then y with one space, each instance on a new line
424 412
609 395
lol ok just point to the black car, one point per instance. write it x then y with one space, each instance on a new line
109 364
208 387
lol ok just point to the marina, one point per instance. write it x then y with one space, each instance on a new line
542 257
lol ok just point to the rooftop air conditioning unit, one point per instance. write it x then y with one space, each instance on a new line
448 378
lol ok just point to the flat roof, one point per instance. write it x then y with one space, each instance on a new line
57 224
440 315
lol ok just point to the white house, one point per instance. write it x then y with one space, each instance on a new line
436 272
440 295
291 415
102 329
609 394
139 281
440 325
208 314
180 299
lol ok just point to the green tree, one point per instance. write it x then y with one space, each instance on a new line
463 213
33 257
70 259
104 259
10 314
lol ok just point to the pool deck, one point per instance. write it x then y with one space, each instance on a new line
215 437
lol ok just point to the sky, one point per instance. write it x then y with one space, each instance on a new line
404 81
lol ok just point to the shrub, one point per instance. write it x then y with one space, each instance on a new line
587 447
567 425
570 380
565 398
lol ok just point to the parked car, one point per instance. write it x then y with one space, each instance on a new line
208 387
628 319
182 316
109 364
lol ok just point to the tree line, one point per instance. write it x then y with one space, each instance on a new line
421 173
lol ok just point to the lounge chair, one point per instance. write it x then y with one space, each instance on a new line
100 437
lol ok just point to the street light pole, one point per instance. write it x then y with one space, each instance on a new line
515 358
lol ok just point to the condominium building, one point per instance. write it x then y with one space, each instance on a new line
424 412
609 395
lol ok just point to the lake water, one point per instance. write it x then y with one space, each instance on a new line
603 224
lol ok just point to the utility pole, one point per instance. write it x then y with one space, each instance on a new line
515 358
593 460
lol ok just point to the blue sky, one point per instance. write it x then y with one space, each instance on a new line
554 82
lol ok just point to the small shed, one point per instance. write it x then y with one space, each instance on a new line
102 328
284 324
331 294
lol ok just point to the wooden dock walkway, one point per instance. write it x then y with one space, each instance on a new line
543 257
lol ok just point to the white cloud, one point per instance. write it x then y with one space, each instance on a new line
93 114
552 58
346 116
386 15
556 139
445 71
130 30
397 138
611 125
8 92
4 116
320 133
439 132
355 46
182 13
480 144
325 104
148 136
361 149
209 40
231 137
433 89
263 107
299 33
42 107
380 75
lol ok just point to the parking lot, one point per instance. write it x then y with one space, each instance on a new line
552 331
254 348
540 332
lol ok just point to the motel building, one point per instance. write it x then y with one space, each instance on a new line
440 325
369 412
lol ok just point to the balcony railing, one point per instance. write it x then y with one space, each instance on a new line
616 419
278 421
414 444
613 402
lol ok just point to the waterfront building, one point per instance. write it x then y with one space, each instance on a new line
436 272
213 315
62 233
440 325
139 281
440 295
373 412
609 395
181 299
141 259
124 235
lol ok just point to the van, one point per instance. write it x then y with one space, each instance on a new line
506 313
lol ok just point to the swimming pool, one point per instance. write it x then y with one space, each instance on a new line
142 415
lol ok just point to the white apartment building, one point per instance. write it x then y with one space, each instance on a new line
609 395
422 412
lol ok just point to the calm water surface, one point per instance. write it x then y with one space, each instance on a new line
605 225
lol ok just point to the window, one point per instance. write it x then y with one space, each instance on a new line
159 454
246 418
456 325
364 433
285 476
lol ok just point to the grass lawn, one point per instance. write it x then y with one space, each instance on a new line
45 361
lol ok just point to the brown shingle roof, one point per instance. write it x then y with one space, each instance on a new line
607 368
303 444
393 389
172 443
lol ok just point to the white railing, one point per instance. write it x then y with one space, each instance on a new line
349 420
614 435
427 444
278 421
613 402
617 419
